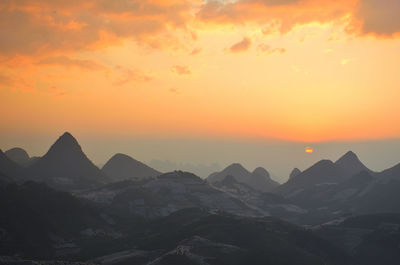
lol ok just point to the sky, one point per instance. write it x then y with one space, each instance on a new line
203 82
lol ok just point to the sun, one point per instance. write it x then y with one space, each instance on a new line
309 150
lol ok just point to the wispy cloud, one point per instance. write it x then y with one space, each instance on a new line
69 62
131 76
241 46
181 70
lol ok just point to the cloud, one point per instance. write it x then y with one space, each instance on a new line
380 17
181 70
241 46
131 76
68 62
265 48
196 51
37 27
285 13
5 81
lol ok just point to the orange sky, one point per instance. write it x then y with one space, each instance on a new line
302 70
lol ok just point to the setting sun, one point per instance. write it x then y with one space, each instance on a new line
309 150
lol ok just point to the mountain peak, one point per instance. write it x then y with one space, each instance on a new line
235 166
295 172
349 156
121 166
351 164
18 155
261 172
66 142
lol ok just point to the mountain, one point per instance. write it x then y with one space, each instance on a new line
9 167
370 239
165 194
121 167
324 172
295 172
267 203
259 179
351 164
18 155
65 166
39 222
195 236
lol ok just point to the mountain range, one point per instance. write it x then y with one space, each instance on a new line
259 179
129 213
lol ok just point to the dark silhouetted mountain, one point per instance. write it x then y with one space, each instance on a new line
258 180
39 222
324 172
295 172
18 155
351 165
261 180
9 167
65 166
370 239
121 167
215 238
4 179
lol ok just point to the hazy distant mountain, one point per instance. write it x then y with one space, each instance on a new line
295 172
65 166
200 169
18 155
259 179
324 172
121 167
9 167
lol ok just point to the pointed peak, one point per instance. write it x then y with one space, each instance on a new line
295 172
66 137
350 155
66 142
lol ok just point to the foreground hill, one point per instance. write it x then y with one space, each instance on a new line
370 239
195 236
259 179
65 166
39 222
121 167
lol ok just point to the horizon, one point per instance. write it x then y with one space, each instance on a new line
278 158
